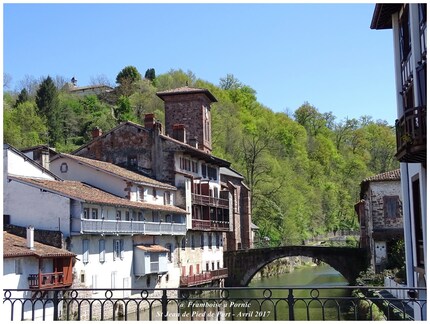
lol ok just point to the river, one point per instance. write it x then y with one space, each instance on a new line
259 306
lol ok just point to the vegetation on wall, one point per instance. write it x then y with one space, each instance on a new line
304 169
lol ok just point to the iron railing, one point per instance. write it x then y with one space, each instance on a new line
275 303
209 201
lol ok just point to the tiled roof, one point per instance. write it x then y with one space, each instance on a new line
386 176
186 90
82 192
152 248
120 172
16 246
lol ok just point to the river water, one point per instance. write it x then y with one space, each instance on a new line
266 304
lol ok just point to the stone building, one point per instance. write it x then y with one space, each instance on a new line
181 155
380 215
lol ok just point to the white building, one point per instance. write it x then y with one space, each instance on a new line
29 264
119 243
408 22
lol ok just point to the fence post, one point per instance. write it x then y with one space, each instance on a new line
164 305
291 304
56 301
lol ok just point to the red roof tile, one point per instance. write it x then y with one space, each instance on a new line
186 90
80 191
152 248
386 176
16 246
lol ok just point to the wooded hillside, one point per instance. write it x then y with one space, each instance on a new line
304 168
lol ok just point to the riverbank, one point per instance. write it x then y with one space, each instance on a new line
282 266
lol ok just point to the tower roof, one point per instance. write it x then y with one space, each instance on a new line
185 90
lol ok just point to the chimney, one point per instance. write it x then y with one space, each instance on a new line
30 237
149 121
96 132
179 133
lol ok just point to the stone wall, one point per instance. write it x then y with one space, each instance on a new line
52 238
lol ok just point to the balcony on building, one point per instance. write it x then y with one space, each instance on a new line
411 135
130 227
209 218
210 213
60 277
150 259
203 278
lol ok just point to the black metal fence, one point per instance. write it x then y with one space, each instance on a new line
275 303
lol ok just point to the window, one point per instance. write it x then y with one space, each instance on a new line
154 193
132 161
194 166
64 167
167 198
204 170
183 243
218 265
169 254
140 217
18 266
86 213
94 213
217 240
391 206
141 194
202 241
102 251
404 34
193 243
212 173
210 240
127 215
118 215
85 251
118 249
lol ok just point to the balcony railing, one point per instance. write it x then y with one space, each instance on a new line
47 280
210 225
203 278
411 134
96 226
209 201
196 279
219 273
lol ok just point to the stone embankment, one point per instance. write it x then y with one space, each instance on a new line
284 265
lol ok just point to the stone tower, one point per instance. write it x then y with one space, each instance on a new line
188 116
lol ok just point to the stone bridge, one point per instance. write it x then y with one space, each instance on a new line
244 264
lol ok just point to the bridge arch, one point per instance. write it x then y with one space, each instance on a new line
242 265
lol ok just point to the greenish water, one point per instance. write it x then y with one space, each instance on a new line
268 300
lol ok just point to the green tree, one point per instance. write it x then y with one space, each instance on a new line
23 127
150 74
129 74
48 106
22 97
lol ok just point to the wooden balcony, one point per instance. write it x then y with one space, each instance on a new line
209 201
203 278
210 225
411 134
48 280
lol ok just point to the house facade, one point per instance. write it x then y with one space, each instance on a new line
119 243
408 22
180 155
32 265
380 216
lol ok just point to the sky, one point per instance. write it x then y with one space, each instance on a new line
289 53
